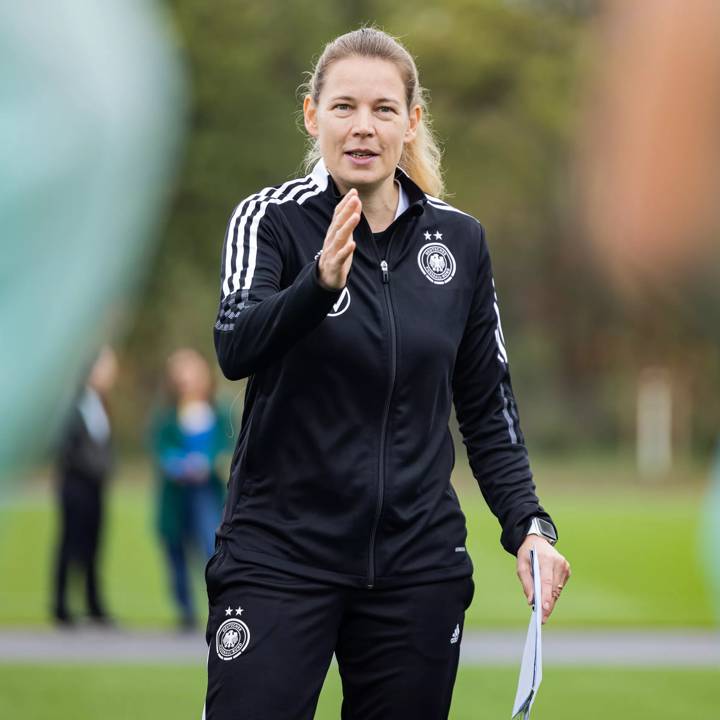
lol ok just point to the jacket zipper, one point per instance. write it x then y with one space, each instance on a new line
385 274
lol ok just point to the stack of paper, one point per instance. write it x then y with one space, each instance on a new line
531 667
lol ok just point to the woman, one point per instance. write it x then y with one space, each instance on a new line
359 307
188 441
85 463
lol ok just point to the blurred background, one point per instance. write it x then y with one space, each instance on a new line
588 161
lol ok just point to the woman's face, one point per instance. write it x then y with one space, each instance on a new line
361 110
104 371
189 375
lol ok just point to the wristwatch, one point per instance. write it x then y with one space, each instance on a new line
545 529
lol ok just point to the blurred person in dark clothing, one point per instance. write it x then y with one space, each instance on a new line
188 441
85 460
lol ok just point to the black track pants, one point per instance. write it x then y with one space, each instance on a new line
271 637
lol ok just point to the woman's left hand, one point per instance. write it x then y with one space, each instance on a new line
554 572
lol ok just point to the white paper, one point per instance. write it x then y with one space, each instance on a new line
531 666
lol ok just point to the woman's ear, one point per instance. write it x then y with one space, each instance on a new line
414 118
310 116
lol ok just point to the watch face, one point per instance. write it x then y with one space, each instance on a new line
547 529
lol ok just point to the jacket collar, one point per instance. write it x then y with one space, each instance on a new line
416 198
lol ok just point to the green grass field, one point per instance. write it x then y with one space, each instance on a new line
624 541
633 549
118 692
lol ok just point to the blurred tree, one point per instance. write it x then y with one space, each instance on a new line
503 77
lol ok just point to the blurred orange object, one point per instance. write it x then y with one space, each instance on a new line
651 142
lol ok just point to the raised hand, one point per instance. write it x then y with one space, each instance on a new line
337 251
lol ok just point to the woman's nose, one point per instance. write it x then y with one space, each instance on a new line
363 123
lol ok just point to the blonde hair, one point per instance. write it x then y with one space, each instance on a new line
421 158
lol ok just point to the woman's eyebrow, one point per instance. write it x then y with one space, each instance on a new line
352 99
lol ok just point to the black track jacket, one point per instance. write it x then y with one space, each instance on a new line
342 466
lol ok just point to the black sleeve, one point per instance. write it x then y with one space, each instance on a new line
488 416
70 442
257 321
80 457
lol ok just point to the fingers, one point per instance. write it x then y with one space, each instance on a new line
345 218
338 247
546 588
342 205
344 232
341 249
559 575
524 572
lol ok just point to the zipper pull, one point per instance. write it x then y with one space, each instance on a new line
385 273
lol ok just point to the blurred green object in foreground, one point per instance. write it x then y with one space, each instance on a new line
710 534
91 95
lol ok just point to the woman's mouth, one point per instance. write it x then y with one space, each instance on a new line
361 157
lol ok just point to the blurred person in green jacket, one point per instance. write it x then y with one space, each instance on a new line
190 435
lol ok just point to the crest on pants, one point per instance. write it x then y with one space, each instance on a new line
232 638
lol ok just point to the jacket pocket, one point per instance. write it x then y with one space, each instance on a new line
215 560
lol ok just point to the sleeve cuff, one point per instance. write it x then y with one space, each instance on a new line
514 534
